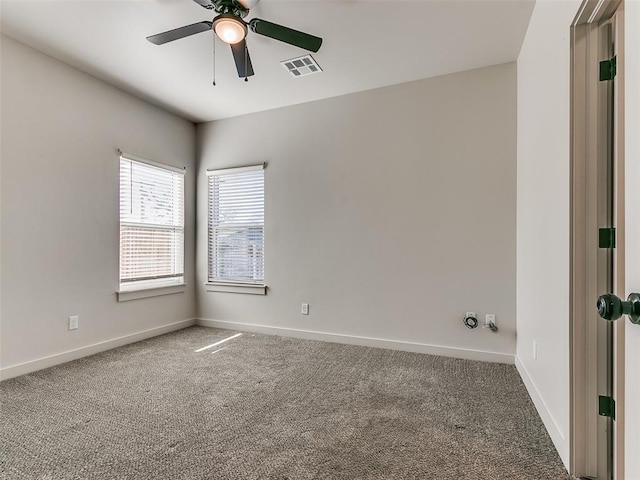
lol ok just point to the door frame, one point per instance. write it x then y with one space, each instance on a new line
586 146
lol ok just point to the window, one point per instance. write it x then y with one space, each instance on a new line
151 225
236 225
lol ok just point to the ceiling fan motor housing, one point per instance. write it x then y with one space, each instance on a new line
230 7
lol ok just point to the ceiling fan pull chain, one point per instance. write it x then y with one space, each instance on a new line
214 59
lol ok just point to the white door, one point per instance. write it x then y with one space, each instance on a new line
632 234
600 266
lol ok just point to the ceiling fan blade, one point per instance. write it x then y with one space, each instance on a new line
205 3
179 33
286 34
242 59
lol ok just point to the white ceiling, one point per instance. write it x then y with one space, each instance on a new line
367 44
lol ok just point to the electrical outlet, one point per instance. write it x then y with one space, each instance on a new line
305 309
535 350
74 322
489 319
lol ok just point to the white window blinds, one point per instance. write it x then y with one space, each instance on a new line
151 224
236 225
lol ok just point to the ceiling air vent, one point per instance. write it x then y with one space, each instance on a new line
301 66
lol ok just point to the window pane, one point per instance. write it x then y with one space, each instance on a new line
238 199
148 253
238 254
150 195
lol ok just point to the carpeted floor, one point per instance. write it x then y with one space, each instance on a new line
266 407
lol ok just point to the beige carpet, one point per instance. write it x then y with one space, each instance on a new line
265 407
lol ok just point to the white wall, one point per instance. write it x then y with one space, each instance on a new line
632 233
391 212
60 131
543 214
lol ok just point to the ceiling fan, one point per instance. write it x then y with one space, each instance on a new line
230 27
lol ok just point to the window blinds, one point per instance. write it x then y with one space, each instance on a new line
151 224
236 225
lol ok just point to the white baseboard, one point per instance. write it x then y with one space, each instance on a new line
555 432
58 358
362 341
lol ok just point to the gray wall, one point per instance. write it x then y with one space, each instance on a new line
391 212
543 215
59 192
423 173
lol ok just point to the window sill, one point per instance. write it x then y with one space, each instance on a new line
247 288
146 292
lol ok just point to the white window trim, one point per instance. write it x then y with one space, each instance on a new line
155 291
233 170
248 288
251 288
166 166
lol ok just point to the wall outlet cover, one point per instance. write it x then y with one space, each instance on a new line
73 322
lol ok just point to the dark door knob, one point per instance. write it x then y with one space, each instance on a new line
611 307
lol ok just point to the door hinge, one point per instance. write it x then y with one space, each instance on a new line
606 406
608 69
607 237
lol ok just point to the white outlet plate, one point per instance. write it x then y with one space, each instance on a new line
535 350
74 322
489 319
305 309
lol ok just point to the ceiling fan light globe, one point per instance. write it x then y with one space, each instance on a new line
229 29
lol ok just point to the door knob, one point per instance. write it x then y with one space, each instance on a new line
611 307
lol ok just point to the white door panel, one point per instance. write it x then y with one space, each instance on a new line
632 233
